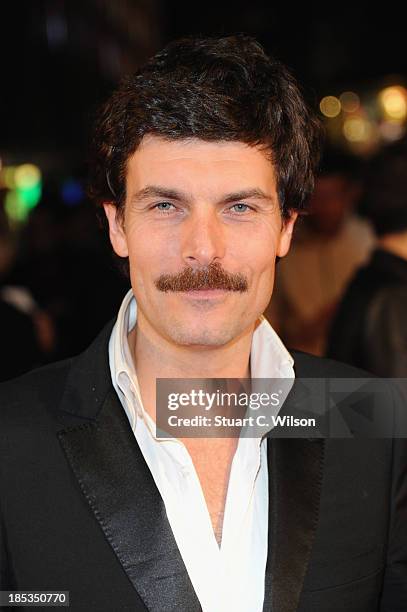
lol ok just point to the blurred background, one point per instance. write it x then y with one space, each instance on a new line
60 59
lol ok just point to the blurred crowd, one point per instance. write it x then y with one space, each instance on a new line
58 284
341 291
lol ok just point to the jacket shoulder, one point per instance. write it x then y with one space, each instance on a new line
76 385
29 392
312 366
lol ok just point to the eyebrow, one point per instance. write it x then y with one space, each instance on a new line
174 194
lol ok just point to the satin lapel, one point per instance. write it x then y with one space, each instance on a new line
295 477
119 488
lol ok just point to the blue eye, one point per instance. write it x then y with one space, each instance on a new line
240 204
163 204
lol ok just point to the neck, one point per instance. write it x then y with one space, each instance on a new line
157 358
395 243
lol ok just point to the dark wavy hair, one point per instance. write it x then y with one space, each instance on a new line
223 88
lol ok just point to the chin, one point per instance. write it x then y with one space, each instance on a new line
208 337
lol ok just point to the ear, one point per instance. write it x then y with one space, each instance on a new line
116 230
286 234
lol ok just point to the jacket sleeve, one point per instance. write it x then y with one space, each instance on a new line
385 333
394 593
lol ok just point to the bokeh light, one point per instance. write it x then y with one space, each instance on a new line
391 130
24 190
350 101
27 176
393 101
357 129
72 192
8 176
15 208
330 106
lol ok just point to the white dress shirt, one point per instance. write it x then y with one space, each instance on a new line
230 576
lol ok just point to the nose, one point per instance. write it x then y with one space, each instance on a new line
203 240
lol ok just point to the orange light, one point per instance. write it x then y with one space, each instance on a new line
357 129
350 101
394 102
330 106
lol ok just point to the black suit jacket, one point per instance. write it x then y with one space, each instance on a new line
80 512
369 329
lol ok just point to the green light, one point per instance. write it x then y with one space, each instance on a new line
15 208
30 196
25 187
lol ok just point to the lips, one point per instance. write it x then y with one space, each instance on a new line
206 293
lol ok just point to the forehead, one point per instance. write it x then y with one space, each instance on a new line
197 163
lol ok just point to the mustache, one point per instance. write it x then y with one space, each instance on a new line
210 277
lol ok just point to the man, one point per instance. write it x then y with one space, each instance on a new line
370 328
202 162
329 245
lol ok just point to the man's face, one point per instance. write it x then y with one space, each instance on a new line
200 215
